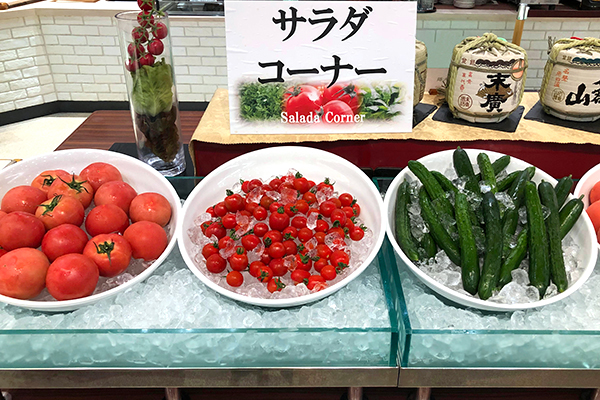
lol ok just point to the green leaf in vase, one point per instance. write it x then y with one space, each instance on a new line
152 89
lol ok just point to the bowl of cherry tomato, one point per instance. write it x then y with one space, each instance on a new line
82 226
282 226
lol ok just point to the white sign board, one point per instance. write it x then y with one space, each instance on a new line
319 66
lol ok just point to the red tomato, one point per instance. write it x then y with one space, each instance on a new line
260 229
118 193
303 262
346 199
255 268
301 184
239 261
2 251
275 285
235 279
320 263
357 233
290 209
99 173
276 250
152 207
111 253
60 210
156 47
106 218
316 282
147 59
305 234
300 276
209 249
23 273
302 100
322 226
337 112
272 237
251 206
595 193
226 242
323 251
234 202
327 208
64 239
44 180
299 222
309 197
216 229
339 258
145 18
160 30
290 232
279 220
290 247
320 236
21 229
338 216
328 272
250 242
356 209
266 201
75 187
260 213
23 198
72 276
229 221
344 93
264 274
278 267
220 209
216 264
148 240
275 183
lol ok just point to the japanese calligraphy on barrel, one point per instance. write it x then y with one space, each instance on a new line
486 79
420 71
571 85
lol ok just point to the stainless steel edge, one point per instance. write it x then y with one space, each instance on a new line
198 377
499 377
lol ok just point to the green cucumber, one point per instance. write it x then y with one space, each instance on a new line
498 166
487 172
435 191
464 169
469 261
492 261
539 267
517 189
403 233
562 189
437 230
513 259
505 183
509 226
557 262
569 214
427 246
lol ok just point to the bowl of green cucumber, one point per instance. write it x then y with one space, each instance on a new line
489 231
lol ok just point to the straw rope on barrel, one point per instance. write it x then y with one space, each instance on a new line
486 79
571 85
420 71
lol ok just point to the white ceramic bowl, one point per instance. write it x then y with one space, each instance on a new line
312 163
139 175
585 184
582 233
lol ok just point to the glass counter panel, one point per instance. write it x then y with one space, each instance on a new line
442 334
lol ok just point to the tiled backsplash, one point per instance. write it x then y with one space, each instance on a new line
44 58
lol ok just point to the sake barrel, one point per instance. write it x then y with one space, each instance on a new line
571 85
486 79
420 71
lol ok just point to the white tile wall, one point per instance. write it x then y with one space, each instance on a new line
47 58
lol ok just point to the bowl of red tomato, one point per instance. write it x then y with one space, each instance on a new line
282 226
79 226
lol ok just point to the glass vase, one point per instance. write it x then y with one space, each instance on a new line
148 62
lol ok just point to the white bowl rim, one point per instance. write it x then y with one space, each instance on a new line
579 188
69 305
294 301
462 298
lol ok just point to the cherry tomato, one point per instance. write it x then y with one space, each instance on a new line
275 285
279 220
216 264
60 210
156 47
99 173
264 274
301 184
44 180
74 187
159 30
309 197
323 251
316 282
320 236
290 247
272 237
250 242
349 211
21 229
356 209
239 261
251 206
290 233
139 34
357 233
278 267
132 65
303 262
304 100
23 273
229 221
275 183
299 222
216 229
209 249
276 250
266 201
265 258
342 92
290 209
23 198
145 18
220 209
72 276
339 258
260 229
322 226
234 202
225 242
346 199
337 202
111 253
106 218
305 234
148 240
328 272
275 206
235 279
338 216
260 213
118 193
147 59
319 264
150 206
300 276
145 5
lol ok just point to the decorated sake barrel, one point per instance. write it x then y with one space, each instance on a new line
571 85
420 71
486 79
